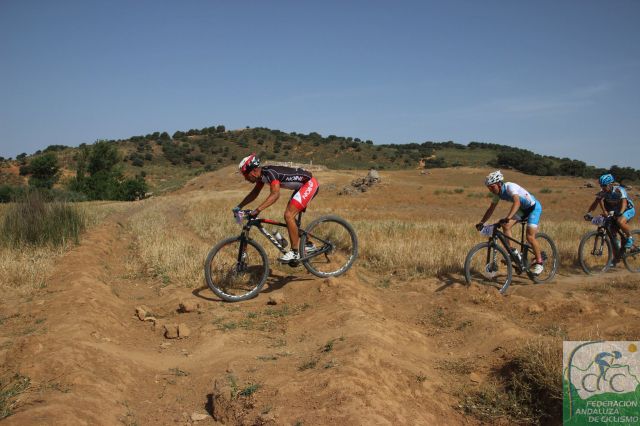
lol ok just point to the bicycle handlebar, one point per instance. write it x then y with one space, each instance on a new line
590 218
489 230
240 215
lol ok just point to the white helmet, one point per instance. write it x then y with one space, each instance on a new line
493 177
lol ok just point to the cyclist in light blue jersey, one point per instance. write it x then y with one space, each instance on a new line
614 198
525 206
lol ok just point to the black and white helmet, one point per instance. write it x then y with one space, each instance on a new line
493 177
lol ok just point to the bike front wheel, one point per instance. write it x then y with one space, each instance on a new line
488 264
632 256
332 244
549 256
595 253
236 270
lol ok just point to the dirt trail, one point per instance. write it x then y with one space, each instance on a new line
355 350
332 353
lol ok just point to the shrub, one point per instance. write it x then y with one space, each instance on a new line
6 193
10 388
24 170
106 180
133 189
34 221
531 389
433 163
535 376
44 171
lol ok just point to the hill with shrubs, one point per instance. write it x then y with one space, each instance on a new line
129 169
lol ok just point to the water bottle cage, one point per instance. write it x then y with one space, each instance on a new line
281 240
517 260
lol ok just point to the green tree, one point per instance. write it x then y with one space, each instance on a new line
133 189
572 167
105 180
623 173
44 171
103 157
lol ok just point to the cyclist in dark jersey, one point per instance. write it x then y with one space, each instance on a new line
301 181
614 198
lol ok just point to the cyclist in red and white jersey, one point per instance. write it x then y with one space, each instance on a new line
301 181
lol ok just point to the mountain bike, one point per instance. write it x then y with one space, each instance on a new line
237 268
603 248
493 263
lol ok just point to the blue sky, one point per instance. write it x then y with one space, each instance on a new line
557 77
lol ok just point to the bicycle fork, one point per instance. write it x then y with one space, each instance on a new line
598 245
241 264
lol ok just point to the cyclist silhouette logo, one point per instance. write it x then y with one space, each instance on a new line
603 361
601 382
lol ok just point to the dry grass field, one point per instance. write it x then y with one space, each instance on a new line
399 339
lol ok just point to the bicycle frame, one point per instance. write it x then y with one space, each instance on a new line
257 222
504 239
611 229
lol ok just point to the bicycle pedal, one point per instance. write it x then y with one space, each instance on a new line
293 262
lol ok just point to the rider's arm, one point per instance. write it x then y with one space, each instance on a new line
514 208
489 212
593 205
604 210
623 205
272 198
252 195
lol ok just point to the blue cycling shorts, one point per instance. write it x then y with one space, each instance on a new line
532 215
629 214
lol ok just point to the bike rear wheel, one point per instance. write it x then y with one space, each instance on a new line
549 256
236 271
488 264
595 253
337 243
632 255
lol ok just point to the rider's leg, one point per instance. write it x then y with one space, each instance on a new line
290 219
531 238
506 229
624 226
298 203
623 223
532 229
